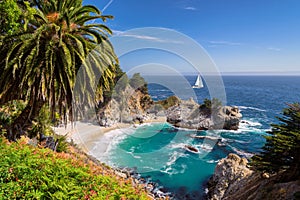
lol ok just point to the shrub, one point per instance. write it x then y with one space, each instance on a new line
27 172
209 104
42 123
138 83
169 102
62 145
8 113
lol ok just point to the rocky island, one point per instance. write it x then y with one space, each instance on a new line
191 115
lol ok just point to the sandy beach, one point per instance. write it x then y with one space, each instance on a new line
86 134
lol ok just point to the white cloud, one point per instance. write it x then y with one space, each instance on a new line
212 46
145 37
116 32
190 8
273 49
227 43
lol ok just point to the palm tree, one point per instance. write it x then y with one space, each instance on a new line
40 64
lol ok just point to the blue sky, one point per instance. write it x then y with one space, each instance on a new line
239 35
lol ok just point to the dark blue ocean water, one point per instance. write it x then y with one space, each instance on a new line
157 150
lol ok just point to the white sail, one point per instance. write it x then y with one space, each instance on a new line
198 83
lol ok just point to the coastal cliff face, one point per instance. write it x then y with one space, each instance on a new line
126 107
134 106
189 114
233 180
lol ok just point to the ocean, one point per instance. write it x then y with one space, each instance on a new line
157 150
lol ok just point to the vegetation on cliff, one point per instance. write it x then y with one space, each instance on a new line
281 151
128 102
137 82
169 102
28 172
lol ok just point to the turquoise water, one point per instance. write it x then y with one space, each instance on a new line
158 150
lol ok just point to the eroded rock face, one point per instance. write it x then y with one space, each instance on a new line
227 174
228 117
233 180
189 114
134 106
128 107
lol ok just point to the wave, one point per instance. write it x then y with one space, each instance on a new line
204 147
133 154
250 123
246 126
241 152
108 142
246 130
251 108
174 156
171 171
171 163
177 145
212 161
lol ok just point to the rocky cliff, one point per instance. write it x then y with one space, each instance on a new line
132 106
189 114
233 180
127 106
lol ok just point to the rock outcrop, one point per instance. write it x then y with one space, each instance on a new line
227 172
189 114
134 106
128 107
233 180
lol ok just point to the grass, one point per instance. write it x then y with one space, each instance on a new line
28 172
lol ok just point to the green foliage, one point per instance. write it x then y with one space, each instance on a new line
206 104
209 104
117 86
9 112
42 123
27 172
62 143
14 16
139 83
169 102
10 14
122 83
282 147
41 62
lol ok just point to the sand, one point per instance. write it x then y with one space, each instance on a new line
86 135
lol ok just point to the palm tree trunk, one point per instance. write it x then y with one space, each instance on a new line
23 123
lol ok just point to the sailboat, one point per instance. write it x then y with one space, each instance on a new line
198 83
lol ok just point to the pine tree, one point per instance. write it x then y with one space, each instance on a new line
281 151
